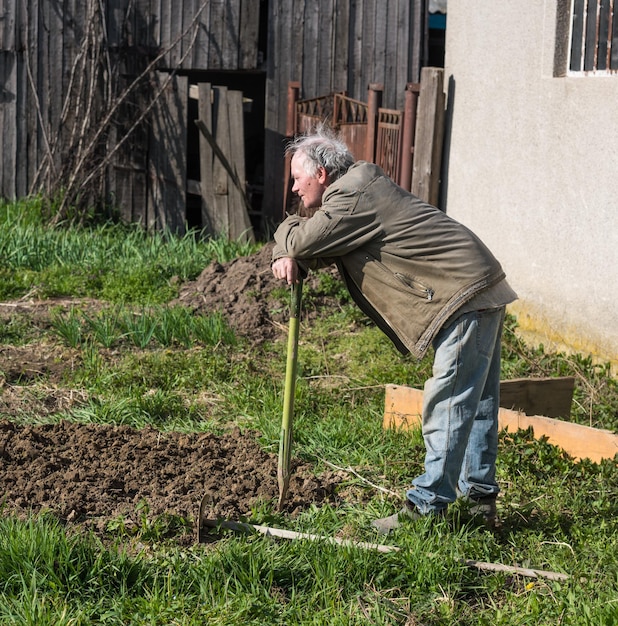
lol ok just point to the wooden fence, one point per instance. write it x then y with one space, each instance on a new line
93 92
387 137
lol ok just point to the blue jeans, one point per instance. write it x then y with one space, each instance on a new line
460 413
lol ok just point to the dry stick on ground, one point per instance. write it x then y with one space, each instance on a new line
352 471
290 534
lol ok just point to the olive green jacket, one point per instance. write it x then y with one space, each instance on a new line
407 265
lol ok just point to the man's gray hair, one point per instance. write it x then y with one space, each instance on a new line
322 147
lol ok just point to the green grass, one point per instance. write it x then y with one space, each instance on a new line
559 515
119 263
142 327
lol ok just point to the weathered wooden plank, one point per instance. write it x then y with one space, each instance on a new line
429 136
407 135
230 41
399 50
147 16
48 68
403 408
221 124
167 155
342 44
291 54
126 181
309 41
182 29
188 25
73 74
139 197
117 28
201 47
131 161
7 27
122 180
249 18
55 71
209 220
216 34
325 46
416 32
378 28
581 442
8 103
551 397
21 104
240 223
34 143
165 30
233 179
281 48
356 52
8 108
369 74
176 42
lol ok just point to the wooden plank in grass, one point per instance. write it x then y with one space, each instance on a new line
403 408
551 397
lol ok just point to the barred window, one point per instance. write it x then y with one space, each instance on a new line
594 37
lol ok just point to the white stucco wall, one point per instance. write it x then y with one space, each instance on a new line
532 167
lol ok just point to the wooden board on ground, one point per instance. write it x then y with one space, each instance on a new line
403 408
551 397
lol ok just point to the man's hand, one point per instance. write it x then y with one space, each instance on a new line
286 269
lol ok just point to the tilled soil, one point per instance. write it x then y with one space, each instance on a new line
92 474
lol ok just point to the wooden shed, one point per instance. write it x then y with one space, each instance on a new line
99 98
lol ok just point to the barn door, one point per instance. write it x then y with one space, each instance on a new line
225 206
167 150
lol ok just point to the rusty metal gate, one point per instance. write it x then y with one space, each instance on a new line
372 133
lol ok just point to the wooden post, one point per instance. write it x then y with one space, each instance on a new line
240 222
409 130
429 136
209 220
291 129
219 173
374 102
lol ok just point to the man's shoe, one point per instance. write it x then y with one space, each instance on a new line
485 508
408 513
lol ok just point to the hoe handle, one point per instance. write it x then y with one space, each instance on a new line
285 443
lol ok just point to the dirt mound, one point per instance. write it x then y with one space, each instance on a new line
91 474
242 291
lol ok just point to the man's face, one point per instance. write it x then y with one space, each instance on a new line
308 188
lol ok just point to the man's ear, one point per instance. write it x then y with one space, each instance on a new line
322 176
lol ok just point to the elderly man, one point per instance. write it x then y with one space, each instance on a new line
425 280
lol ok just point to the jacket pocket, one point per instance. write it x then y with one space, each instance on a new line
415 286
